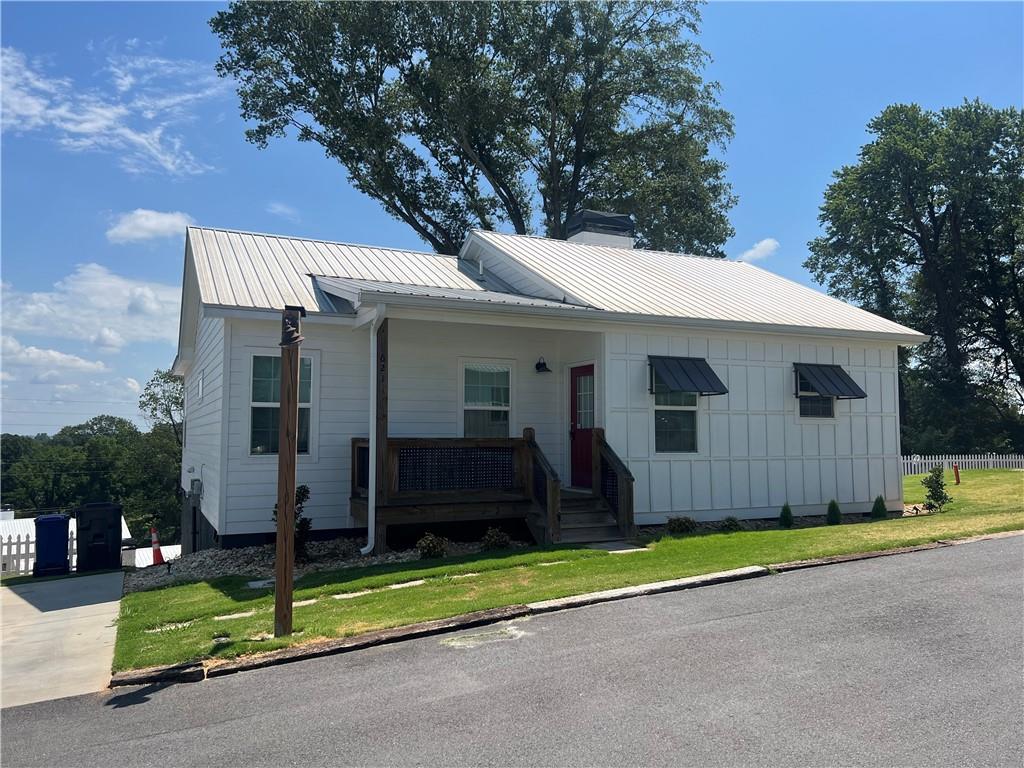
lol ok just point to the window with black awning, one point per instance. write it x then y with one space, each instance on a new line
684 374
826 381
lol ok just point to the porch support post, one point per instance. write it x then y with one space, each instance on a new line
595 460
383 479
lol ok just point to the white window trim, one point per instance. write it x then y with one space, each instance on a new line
314 406
696 426
511 365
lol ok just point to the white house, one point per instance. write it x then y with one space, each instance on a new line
649 384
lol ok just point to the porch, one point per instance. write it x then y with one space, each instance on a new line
449 444
443 480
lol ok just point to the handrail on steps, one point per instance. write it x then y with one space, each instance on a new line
544 486
613 482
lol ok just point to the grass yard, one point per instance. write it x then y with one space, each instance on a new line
176 624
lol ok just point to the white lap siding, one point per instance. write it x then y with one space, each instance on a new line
204 417
424 400
754 450
340 412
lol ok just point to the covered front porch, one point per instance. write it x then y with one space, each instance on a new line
483 421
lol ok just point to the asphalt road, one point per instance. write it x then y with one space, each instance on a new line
908 660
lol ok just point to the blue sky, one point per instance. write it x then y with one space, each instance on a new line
116 132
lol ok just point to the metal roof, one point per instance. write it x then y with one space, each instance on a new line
685 374
257 271
831 381
352 290
664 284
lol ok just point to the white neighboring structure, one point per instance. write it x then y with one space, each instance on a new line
522 332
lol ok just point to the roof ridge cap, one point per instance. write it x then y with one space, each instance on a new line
319 240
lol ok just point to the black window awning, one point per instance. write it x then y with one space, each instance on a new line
829 380
684 374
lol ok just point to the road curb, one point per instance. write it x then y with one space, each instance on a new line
195 671
654 588
798 565
175 673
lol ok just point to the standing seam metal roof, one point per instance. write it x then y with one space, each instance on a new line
676 285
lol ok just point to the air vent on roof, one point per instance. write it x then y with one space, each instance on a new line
600 228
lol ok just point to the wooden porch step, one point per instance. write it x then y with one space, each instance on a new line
586 517
590 533
583 503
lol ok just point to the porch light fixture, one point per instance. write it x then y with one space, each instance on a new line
542 367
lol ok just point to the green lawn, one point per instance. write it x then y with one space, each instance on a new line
987 501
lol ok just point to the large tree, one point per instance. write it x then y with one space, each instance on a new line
927 228
496 114
162 402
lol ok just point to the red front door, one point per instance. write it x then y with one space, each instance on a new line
581 424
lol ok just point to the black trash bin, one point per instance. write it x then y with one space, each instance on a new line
99 536
51 545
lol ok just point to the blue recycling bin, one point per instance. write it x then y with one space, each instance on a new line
51 546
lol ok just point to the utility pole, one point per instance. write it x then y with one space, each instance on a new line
287 447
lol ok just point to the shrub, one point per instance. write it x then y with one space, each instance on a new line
833 516
680 526
935 485
731 524
495 538
303 525
786 516
878 509
431 546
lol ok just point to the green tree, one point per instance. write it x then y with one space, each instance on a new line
150 475
162 402
927 229
490 114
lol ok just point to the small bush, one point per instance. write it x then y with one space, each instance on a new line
833 516
878 510
431 546
680 526
935 486
731 524
495 538
303 525
786 516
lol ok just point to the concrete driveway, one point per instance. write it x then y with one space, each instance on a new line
58 637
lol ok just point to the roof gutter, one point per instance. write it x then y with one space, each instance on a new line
601 315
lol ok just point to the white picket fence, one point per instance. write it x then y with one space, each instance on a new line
18 553
916 465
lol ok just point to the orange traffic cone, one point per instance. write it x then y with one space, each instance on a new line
158 559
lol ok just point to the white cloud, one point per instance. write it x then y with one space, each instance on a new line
49 360
132 385
283 210
762 249
131 116
95 305
144 224
7 376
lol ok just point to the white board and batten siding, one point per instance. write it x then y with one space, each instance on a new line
754 450
204 391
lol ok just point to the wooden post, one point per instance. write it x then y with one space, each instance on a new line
387 476
595 460
287 447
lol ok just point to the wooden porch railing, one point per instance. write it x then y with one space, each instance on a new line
545 487
428 470
613 481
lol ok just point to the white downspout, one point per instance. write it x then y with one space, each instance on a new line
371 491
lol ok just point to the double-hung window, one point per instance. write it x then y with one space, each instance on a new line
486 399
812 404
265 400
675 422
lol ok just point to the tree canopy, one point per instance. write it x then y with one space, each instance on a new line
927 228
496 114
